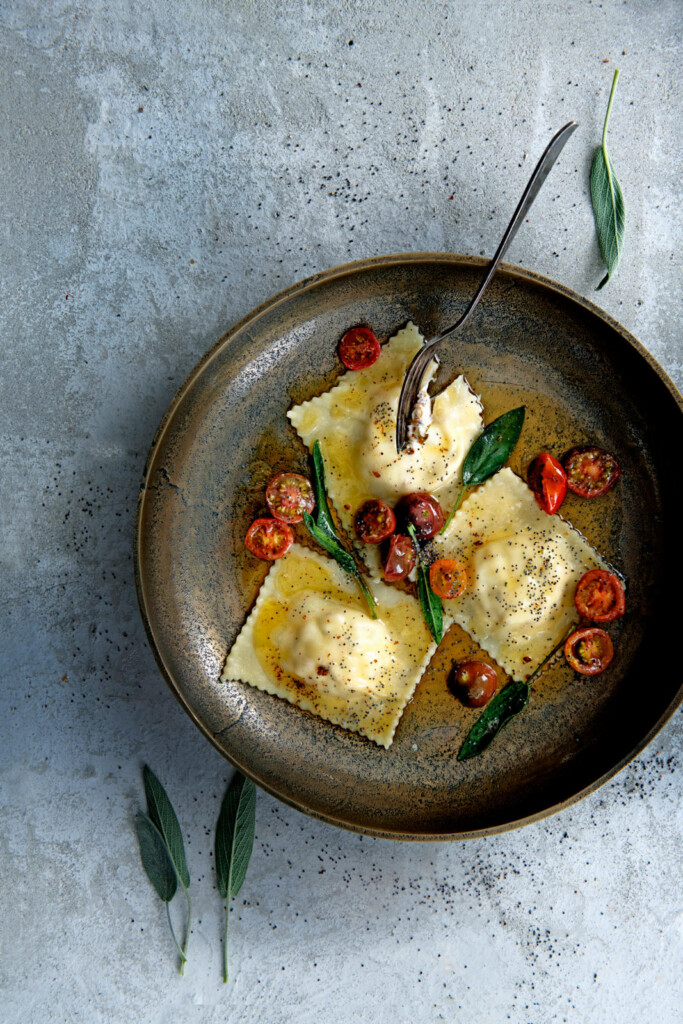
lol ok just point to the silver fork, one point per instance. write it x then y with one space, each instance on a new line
417 368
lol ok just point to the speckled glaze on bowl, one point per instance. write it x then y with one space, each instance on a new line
583 378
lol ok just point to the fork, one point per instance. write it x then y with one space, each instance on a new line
417 367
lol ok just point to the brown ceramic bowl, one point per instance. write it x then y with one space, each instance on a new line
583 379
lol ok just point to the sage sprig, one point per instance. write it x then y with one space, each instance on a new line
489 453
322 528
505 706
234 843
432 609
163 853
608 200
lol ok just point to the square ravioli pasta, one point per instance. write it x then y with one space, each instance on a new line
522 567
310 640
355 423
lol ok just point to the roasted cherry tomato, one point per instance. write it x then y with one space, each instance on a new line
548 481
269 539
475 683
359 348
591 472
423 511
600 596
289 495
400 560
447 578
374 522
589 650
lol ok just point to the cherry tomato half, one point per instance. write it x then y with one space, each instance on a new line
423 511
548 481
600 596
589 650
374 522
289 495
359 348
269 539
447 578
591 472
400 560
475 683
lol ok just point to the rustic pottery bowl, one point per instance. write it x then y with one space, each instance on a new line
583 379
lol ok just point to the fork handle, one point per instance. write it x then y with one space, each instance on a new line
414 373
543 168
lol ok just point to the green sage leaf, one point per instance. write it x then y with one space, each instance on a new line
323 530
493 447
609 209
234 843
432 609
155 858
160 811
323 516
235 835
331 545
504 706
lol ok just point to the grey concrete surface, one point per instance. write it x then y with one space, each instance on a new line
164 168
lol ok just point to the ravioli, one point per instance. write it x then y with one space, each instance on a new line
522 565
355 423
310 640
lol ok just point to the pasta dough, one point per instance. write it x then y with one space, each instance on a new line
355 423
522 565
311 641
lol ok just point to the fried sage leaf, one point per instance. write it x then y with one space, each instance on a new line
432 609
497 713
489 453
234 844
323 530
331 545
505 705
323 516
493 447
608 200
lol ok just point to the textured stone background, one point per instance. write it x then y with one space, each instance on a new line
165 167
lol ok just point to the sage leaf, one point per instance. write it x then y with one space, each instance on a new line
489 453
497 713
234 844
155 858
331 545
493 447
609 209
323 516
323 530
432 609
163 818
160 810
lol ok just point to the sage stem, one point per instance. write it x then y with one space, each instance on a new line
609 111
225 941
187 929
455 508
368 595
183 958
